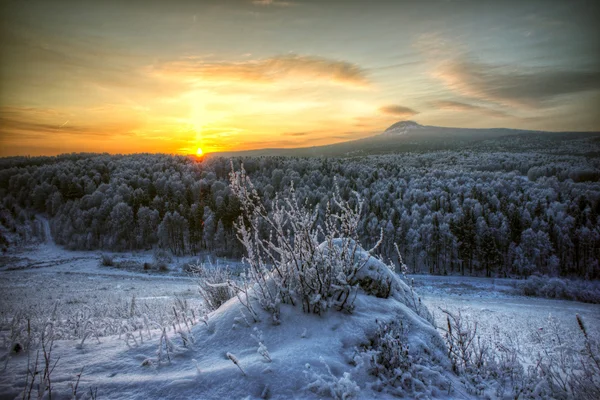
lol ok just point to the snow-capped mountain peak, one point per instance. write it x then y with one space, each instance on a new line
401 128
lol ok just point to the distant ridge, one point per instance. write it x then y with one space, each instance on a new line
401 128
405 136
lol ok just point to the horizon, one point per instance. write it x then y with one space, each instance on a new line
123 78
207 153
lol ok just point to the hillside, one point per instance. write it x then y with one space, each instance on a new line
409 136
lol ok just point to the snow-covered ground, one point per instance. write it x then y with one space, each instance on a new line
493 304
123 362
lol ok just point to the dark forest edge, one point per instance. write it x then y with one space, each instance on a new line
478 213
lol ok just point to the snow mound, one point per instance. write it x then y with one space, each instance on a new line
401 128
384 348
310 356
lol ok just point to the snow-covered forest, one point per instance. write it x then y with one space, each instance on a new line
482 213
312 313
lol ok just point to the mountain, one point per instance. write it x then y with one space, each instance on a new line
401 128
405 136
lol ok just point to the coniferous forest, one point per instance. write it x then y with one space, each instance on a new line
479 213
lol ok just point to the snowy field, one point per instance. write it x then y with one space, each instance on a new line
497 310
44 283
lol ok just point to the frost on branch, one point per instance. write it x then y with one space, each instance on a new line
329 385
297 255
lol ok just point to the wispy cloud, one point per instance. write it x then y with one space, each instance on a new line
268 70
34 122
398 111
265 3
296 134
460 106
513 85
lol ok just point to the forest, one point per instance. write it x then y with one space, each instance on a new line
477 213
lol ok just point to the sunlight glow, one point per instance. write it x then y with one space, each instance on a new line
199 152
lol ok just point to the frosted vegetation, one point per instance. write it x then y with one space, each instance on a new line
314 315
473 213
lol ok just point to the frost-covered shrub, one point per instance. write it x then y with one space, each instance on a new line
329 385
211 285
162 256
161 260
460 333
557 288
307 258
106 260
531 286
567 366
389 352
587 292
163 267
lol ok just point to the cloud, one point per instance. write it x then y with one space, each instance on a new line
512 85
32 121
268 70
265 3
67 63
398 111
41 122
460 106
296 134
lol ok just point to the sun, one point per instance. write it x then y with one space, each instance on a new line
199 152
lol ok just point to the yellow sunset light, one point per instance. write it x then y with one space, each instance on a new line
199 152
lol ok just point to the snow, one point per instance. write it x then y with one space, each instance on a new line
303 347
401 128
312 356
509 313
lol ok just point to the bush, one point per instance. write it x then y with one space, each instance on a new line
161 260
308 257
161 255
212 285
106 260
163 267
557 288
191 267
390 358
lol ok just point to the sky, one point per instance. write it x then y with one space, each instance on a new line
175 76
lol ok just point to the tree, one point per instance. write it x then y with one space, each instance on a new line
173 232
121 222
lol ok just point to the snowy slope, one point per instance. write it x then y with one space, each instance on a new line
401 128
312 356
116 370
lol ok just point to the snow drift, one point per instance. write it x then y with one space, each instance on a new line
334 354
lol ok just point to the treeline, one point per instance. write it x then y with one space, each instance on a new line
475 213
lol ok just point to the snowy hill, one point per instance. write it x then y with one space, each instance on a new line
401 128
409 136
315 356
384 348
336 354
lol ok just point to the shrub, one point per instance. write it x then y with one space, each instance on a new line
390 358
161 260
163 267
307 258
557 288
330 385
212 285
106 260
162 256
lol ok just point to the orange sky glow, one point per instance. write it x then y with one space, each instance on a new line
125 77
